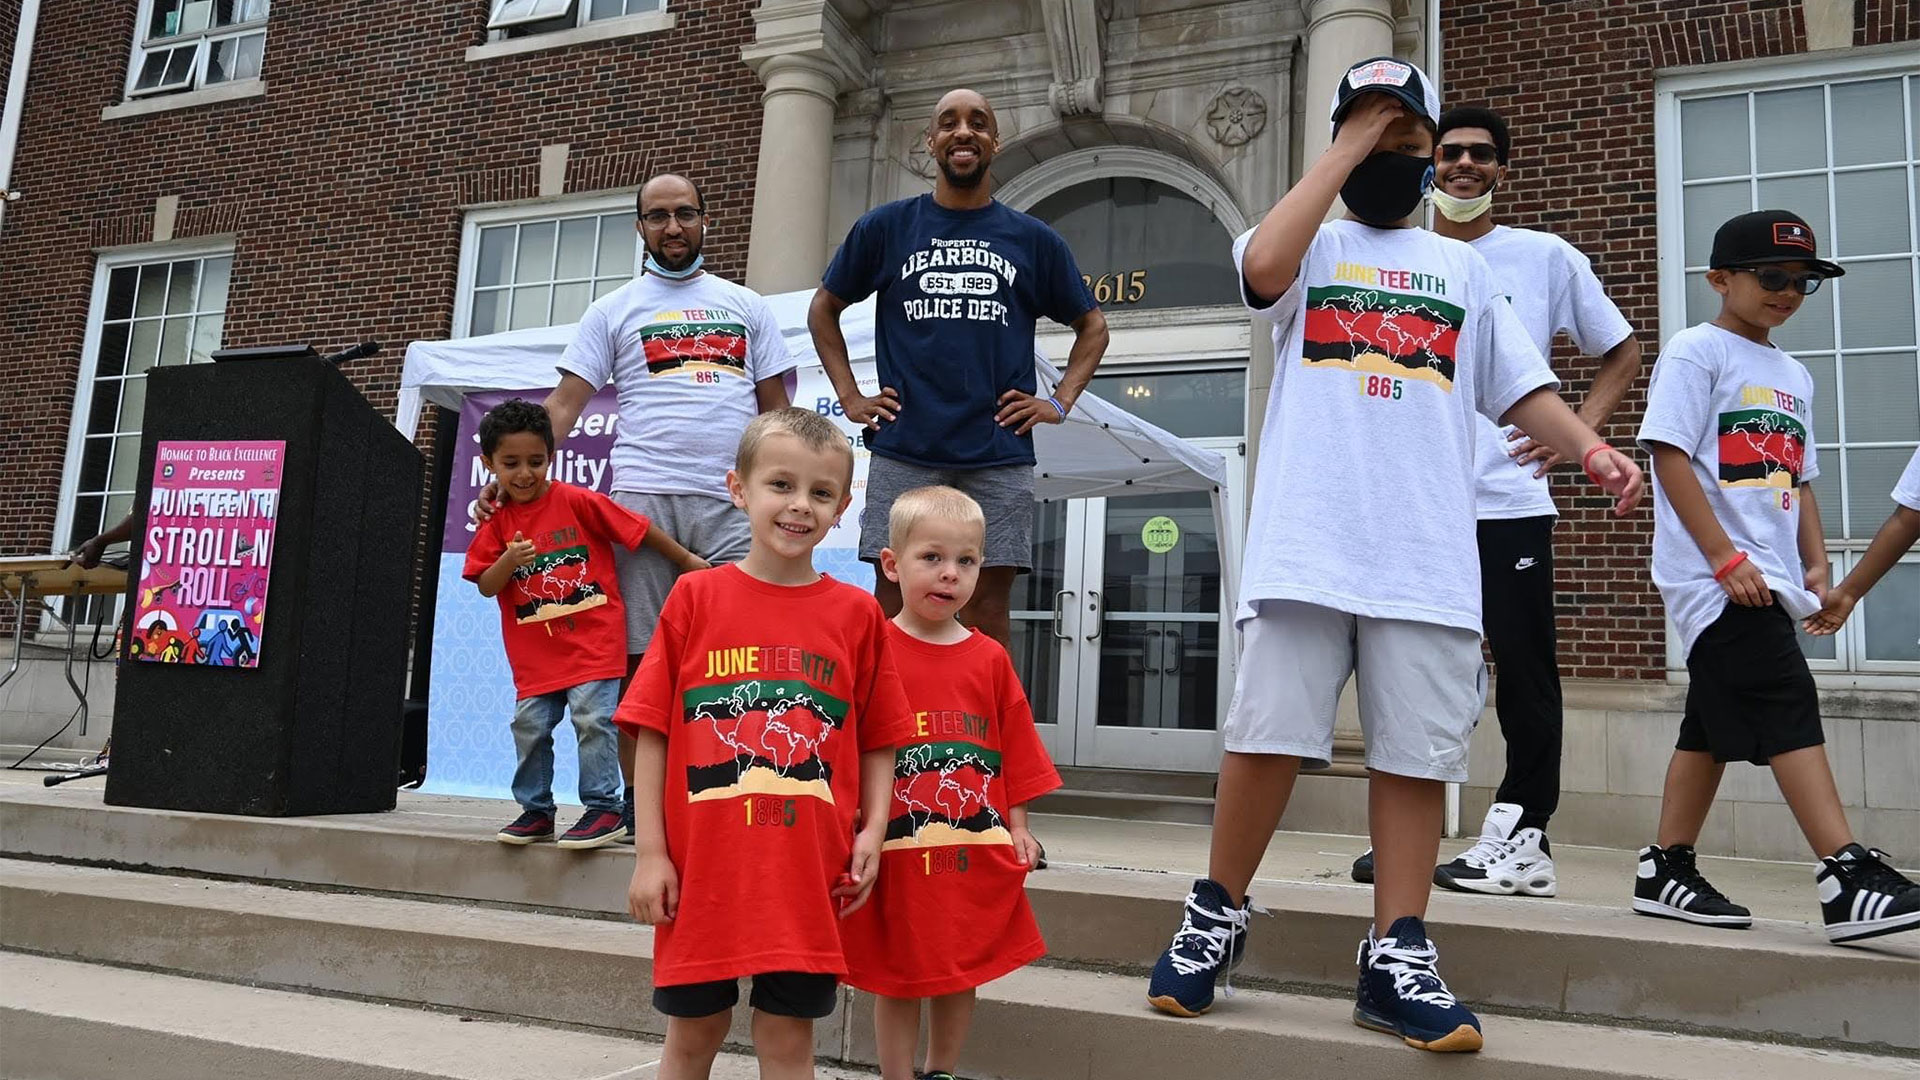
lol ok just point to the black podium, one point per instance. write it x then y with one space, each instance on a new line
315 728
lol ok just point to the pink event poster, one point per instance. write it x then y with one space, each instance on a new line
207 552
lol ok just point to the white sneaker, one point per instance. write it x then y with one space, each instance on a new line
1507 860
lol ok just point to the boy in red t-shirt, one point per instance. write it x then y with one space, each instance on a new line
765 716
547 555
957 848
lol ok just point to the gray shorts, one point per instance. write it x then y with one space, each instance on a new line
1421 688
711 528
1004 492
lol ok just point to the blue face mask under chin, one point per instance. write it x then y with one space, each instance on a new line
652 266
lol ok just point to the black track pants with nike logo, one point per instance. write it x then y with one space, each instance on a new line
1516 590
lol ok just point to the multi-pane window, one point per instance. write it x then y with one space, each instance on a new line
149 314
1844 153
186 44
544 271
517 17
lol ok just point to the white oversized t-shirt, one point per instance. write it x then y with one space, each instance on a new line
1552 288
1388 347
1743 412
1907 491
685 356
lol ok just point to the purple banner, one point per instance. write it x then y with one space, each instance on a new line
581 459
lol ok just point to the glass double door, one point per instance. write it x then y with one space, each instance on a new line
1121 633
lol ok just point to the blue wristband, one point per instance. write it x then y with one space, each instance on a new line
1061 409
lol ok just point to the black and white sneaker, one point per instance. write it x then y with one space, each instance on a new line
1669 886
1363 868
1862 896
1506 860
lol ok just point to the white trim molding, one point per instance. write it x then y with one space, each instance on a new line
647 22
237 90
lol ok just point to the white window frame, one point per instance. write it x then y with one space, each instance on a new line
501 18
1849 668
201 41
517 214
104 265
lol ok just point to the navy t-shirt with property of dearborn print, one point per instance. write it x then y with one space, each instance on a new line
959 293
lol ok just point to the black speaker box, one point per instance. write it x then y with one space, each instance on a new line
315 728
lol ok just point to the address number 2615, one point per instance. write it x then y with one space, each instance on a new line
1122 287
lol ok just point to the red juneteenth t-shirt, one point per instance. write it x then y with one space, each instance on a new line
560 615
767 695
949 911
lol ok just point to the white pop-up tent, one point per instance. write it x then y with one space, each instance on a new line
1102 450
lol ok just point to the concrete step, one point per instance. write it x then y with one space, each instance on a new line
1127 806
61 1020
1590 960
1137 781
1045 1023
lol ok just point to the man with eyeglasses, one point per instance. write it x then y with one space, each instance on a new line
961 282
694 358
1552 288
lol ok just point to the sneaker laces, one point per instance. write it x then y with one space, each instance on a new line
1414 977
1489 850
1683 869
1875 873
1214 943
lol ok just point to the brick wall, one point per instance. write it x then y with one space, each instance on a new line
342 186
1575 79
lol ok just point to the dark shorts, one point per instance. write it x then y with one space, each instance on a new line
803 994
1751 695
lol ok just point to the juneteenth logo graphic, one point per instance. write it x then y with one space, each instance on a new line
1765 446
1382 332
941 788
764 736
555 584
697 339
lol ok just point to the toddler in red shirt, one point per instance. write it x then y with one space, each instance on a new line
547 555
765 716
957 848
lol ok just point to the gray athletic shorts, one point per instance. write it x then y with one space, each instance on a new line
1004 492
1421 688
711 528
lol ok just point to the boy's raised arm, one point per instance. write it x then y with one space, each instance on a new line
1279 245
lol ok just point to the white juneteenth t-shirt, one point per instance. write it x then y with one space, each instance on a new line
1552 288
1388 347
1907 491
1743 412
685 356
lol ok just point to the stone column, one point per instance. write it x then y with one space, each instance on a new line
1339 32
787 247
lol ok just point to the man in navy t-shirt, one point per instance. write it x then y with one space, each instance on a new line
961 280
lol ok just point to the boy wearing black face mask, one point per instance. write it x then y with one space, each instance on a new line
1361 556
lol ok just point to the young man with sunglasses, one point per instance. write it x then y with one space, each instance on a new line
694 358
1552 289
1739 555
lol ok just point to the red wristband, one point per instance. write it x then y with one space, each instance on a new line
1586 458
1731 565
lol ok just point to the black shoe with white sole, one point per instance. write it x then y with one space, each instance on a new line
1861 896
1669 886
1363 868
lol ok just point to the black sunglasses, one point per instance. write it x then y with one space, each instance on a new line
1774 279
1481 153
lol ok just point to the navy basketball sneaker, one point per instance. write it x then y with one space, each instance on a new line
1210 942
1401 992
1863 896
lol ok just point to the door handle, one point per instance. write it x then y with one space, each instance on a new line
1098 613
1174 654
1059 613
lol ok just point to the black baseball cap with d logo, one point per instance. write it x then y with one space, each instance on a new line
1768 236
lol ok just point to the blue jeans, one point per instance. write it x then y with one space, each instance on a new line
535 718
